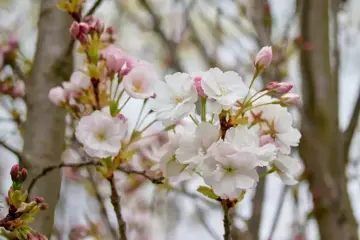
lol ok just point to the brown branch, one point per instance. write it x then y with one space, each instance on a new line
171 46
142 173
278 211
101 202
17 153
350 130
227 224
48 169
115 201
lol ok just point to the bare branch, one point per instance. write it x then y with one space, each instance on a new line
93 8
115 201
350 130
278 211
17 153
171 46
142 173
227 224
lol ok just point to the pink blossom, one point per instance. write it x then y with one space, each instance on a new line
279 87
78 82
117 60
57 95
264 57
199 89
289 99
139 82
19 88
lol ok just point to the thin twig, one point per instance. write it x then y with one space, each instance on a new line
115 201
175 63
93 8
350 130
227 224
101 202
278 211
17 153
142 173
58 166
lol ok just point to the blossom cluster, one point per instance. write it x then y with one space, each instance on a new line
217 127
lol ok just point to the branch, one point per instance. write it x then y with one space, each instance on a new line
93 8
227 224
17 153
142 173
350 130
170 45
58 166
101 203
278 211
115 201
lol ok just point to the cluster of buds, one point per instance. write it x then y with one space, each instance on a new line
8 51
21 212
12 88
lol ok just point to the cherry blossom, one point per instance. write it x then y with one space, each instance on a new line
101 134
224 87
175 98
57 95
287 168
78 82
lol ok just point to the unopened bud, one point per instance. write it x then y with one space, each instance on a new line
199 89
263 58
38 199
74 29
279 87
289 99
109 30
13 42
99 26
22 175
44 206
19 89
14 172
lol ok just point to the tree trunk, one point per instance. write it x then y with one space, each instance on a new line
45 125
322 143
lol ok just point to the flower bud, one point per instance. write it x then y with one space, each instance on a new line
14 172
13 42
38 199
263 58
289 99
99 26
279 87
57 95
19 89
23 175
44 206
74 29
199 89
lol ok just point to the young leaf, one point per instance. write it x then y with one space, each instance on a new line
208 192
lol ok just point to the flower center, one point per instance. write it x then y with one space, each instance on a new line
137 86
229 169
100 136
222 91
178 99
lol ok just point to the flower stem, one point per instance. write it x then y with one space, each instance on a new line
140 113
193 119
203 109
256 74
115 201
227 224
121 108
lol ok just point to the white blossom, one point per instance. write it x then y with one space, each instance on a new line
78 82
224 87
101 134
287 168
175 98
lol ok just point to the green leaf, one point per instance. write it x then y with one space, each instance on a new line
208 192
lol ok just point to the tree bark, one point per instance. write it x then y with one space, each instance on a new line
322 143
45 125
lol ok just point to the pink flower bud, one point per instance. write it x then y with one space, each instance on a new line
83 28
266 139
19 89
199 89
279 87
99 26
13 42
74 29
263 58
23 175
57 95
44 206
38 199
121 117
14 172
289 99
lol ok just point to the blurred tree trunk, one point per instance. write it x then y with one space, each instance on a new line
45 125
322 143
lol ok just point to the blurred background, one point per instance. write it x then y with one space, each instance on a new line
316 46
